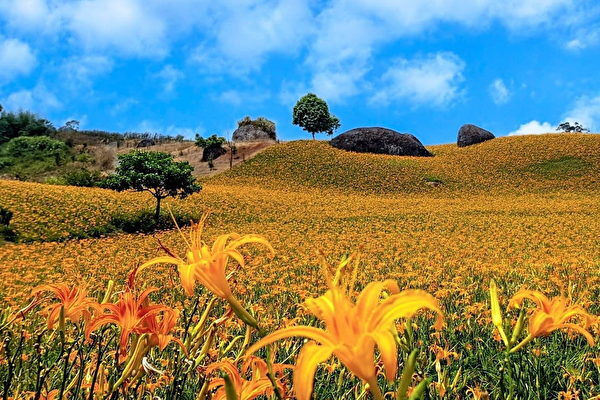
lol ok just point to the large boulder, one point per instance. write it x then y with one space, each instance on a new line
145 143
380 141
212 152
251 133
470 134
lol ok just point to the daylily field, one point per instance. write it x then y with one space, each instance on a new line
474 274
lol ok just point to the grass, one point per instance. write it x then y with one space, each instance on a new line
561 168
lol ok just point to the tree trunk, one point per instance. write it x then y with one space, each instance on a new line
313 135
157 212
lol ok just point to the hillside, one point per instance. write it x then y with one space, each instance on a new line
541 163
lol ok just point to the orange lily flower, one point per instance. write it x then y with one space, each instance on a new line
208 264
258 385
552 314
160 330
352 332
129 313
73 300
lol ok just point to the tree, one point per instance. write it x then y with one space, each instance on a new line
212 147
23 123
156 173
312 114
567 127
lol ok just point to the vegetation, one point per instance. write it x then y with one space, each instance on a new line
6 232
97 328
22 123
260 123
155 173
312 114
27 156
211 141
568 127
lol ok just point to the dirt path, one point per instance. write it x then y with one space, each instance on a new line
188 151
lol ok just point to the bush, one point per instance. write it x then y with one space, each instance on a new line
38 147
211 141
145 222
83 177
6 233
260 123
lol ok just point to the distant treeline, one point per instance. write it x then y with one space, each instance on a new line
26 123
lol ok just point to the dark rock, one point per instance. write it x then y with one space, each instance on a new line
145 143
251 133
380 141
470 134
212 152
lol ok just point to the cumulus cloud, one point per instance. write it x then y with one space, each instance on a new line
39 99
499 92
586 111
127 26
16 59
533 128
431 80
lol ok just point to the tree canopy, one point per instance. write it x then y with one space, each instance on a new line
156 173
312 114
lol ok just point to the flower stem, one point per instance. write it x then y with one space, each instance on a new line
374 389
528 339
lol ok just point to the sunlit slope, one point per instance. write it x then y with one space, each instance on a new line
525 163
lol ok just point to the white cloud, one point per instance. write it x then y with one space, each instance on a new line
432 80
128 26
499 92
39 100
79 71
16 59
170 76
533 128
351 31
586 111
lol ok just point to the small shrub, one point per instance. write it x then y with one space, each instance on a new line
83 177
145 222
6 232
211 141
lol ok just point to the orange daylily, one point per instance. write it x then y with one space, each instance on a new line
73 300
552 314
258 385
352 331
129 313
207 264
160 330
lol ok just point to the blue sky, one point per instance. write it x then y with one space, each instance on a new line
419 66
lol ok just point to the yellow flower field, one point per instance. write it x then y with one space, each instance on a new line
524 212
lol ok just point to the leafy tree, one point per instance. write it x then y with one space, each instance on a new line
156 173
212 140
575 127
312 114
23 123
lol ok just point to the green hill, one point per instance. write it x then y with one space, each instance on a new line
540 163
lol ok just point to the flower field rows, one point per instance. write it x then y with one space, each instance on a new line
422 253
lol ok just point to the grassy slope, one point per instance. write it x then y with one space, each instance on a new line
526 164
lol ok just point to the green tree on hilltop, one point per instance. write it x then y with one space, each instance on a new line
312 114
